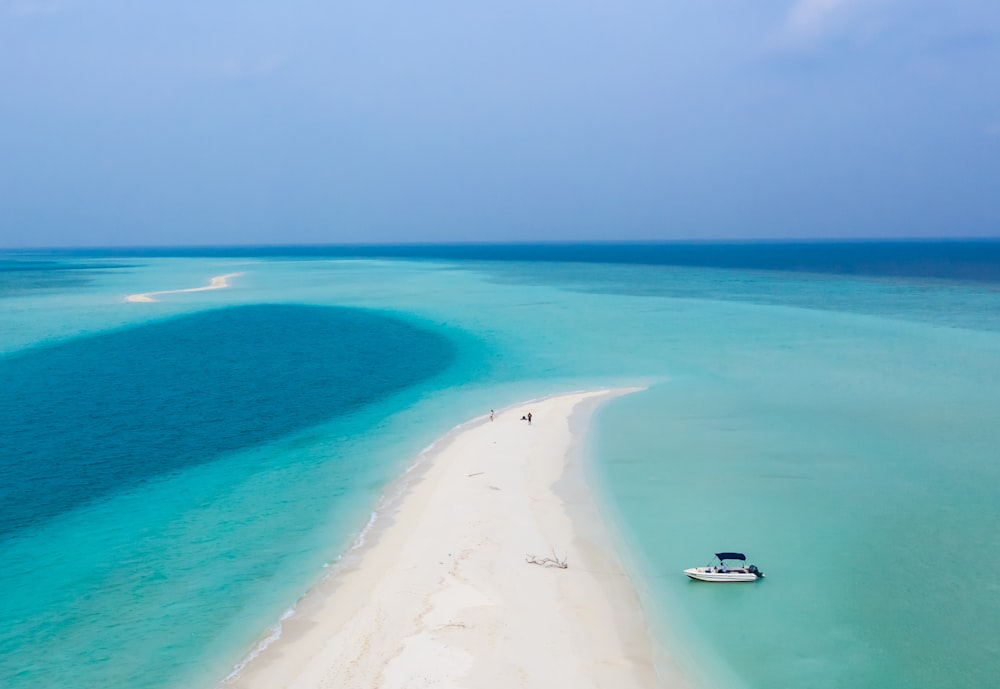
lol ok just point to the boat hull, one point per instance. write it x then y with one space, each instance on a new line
714 575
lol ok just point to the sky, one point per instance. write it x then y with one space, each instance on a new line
372 121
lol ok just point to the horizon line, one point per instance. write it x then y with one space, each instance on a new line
513 243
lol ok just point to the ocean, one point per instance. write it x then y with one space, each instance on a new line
174 475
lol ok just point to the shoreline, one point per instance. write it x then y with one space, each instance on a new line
437 589
217 282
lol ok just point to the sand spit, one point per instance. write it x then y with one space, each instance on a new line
442 594
218 282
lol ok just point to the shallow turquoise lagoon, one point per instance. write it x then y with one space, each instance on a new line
839 430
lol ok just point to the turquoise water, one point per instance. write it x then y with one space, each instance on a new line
863 484
837 429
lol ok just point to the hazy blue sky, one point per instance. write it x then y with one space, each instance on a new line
221 122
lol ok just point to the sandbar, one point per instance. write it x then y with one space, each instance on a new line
442 593
218 282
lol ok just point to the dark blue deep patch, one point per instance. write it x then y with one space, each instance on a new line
974 259
97 414
33 271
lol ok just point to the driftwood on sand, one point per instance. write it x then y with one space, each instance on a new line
553 561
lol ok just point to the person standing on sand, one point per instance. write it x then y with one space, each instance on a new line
529 418
491 414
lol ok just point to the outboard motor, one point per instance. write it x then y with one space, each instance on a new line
756 572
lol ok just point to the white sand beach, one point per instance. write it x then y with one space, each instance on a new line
442 595
218 282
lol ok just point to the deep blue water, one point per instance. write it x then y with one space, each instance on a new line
99 414
977 260
22 272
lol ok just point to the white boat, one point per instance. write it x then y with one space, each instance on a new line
722 572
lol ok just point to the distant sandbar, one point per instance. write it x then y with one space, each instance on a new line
218 282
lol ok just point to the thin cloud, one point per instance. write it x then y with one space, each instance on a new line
810 23
812 18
